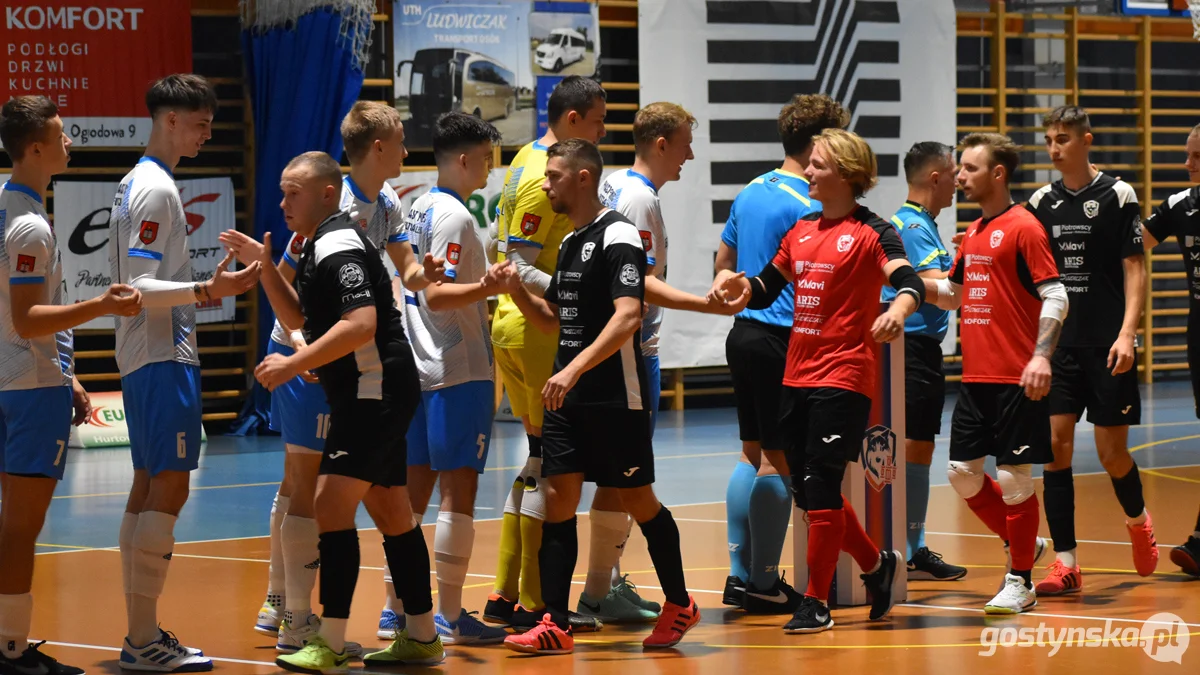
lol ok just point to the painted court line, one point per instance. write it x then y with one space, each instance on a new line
100 648
1047 615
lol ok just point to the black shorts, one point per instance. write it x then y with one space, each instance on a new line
823 425
1083 380
366 438
757 355
924 387
609 446
1193 355
998 420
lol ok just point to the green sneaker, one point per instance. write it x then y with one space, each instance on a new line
408 651
627 590
316 658
614 608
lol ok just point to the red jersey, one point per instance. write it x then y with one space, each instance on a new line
1000 264
836 270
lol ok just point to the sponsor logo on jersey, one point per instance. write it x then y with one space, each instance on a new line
976 259
567 295
1091 208
25 263
1195 256
630 275
350 275
586 253
1189 241
452 253
878 457
806 331
811 285
844 243
647 240
979 276
997 237
568 312
530 223
815 267
1073 261
1060 230
978 292
808 301
1056 204
351 297
1072 245
148 232
1192 212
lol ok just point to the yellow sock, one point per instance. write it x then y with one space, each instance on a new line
531 580
508 568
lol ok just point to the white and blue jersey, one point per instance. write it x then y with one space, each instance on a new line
925 251
35 373
761 214
633 195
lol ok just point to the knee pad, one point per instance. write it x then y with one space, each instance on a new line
1016 482
966 477
515 495
823 484
533 501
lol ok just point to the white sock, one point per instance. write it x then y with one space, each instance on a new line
276 587
1196 534
609 531
1140 520
129 523
452 542
1068 558
390 600
301 560
153 541
420 627
333 631
616 570
16 614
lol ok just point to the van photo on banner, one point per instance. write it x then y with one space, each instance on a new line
83 210
744 61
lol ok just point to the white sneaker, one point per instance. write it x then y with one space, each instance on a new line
164 655
1015 597
1039 551
268 620
292 640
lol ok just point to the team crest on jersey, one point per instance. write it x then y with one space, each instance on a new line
647 240
530 224
297 245
845 242
362 224
452 253
25 263
997 237
1091 208
350 275
629 275
149 232
586 253
879 457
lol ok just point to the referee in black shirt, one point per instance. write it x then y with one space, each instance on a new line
597 424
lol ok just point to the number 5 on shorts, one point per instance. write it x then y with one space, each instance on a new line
181 445
481 443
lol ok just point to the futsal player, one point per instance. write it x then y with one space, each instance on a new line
758 503
839 257
1013 304
530 233
1179 215
929 170
158 359
662 136
357 349
1094 224
448 329
39 396
597 418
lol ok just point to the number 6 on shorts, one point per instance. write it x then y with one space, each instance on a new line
181 445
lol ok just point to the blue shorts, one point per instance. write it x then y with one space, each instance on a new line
299 410
452 428
35 427
162 409
654 376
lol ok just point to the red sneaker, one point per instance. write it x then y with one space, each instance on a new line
1145 548
545 638
1061 580
673 623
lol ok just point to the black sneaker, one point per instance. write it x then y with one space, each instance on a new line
735 592
929 566
1187 556
524 620
879 583
33 662
781 599
812 616
499 609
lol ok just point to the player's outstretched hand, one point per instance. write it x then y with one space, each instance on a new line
273 371
1036 378
81 403
225 283
888 326
555 391
498 274
435 269
729 303
1121 355
728 285
245 248
121 300
958 237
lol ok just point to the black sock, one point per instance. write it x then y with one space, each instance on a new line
408 561
1059 497
1129 492
535 445
662 538
560 550
339 572
1027 575
1197 522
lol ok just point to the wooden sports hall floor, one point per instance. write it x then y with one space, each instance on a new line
219 570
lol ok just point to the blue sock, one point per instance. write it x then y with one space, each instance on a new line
737 517
916 487
770 510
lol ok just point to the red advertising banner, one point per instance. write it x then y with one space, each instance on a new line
94 59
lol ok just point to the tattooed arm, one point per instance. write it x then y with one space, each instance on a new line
1036 378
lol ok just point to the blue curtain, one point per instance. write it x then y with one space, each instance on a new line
304 73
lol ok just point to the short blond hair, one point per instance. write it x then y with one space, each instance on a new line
852 156
659 120
367 122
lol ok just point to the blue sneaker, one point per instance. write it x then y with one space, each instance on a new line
467 630
389 624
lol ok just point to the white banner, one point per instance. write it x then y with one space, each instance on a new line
745 60
106 427
81 218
